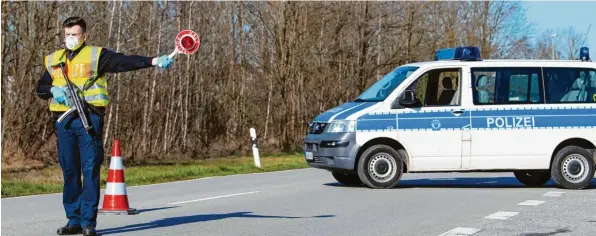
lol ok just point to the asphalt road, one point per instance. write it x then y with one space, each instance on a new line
311 202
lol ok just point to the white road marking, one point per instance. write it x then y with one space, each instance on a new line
531 203
211 198
501 215
460 231
553 194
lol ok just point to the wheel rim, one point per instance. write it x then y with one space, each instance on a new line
382 167
575 168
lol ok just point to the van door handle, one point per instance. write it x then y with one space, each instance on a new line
457 112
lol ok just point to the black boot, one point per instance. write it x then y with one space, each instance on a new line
69 230
89 231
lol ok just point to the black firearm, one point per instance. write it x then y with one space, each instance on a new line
74 98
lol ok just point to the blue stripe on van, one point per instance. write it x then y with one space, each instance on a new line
546 120
528 118
433 123
354 110
427 114
326 116
372 116
376 125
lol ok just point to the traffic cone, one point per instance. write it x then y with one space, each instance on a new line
115 200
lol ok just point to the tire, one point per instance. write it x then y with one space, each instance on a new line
573 168
346 179
532 177
380 166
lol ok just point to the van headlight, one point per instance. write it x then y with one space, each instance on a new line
342 126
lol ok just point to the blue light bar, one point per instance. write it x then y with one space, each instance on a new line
584 54
459 53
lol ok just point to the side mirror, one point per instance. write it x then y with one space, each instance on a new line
407 99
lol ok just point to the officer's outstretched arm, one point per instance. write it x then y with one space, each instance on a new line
113 62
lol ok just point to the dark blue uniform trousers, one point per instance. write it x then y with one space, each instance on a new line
80 152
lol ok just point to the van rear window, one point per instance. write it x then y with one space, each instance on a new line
526 86
570 85
507 86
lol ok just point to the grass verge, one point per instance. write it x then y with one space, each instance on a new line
49 180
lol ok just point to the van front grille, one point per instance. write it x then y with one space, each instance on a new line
320 160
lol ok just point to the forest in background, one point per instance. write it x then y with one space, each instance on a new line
268 65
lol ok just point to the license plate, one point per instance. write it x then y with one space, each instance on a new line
308 156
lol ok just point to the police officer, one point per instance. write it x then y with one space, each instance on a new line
79 151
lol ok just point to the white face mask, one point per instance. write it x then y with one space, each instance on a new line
72 43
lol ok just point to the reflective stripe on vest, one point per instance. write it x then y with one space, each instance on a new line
82 70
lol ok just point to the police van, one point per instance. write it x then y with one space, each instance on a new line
463 113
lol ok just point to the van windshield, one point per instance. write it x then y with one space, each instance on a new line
382 88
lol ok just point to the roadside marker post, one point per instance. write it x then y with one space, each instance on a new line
255 148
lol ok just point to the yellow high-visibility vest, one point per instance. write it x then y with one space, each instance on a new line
82 69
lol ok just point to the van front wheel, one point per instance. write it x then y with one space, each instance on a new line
573 168
380 166
532 177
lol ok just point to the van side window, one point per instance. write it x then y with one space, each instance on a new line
498 85
440 87
570 85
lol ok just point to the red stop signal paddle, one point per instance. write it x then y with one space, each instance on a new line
187 42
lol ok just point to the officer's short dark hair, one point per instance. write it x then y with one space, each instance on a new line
75 20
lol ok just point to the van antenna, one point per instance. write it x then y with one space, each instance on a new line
586 36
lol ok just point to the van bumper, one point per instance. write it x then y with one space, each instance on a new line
325 155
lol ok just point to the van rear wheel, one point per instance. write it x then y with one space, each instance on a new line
346 179
573 168
532 177
380 166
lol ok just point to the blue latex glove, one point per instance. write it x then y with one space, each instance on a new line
60 95
165 62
